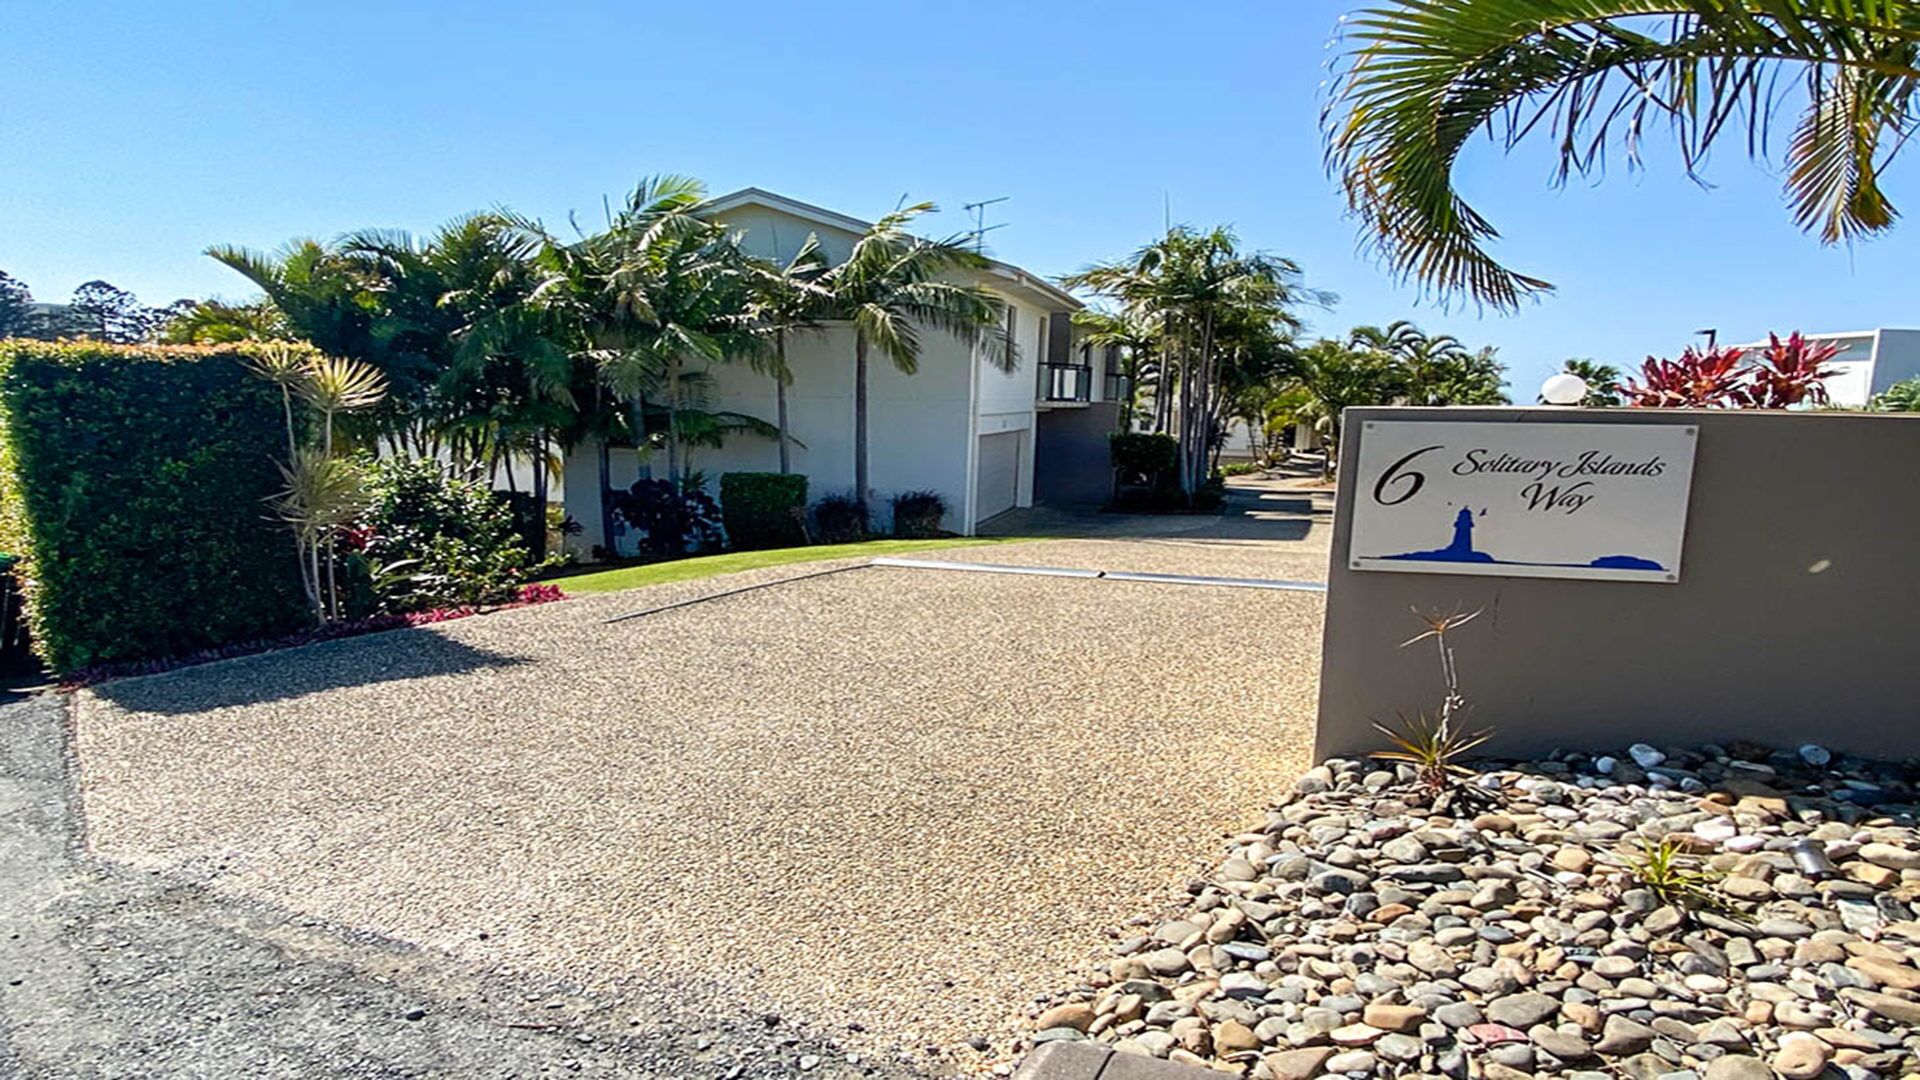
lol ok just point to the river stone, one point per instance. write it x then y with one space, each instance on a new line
1624 1036
1738 1067
1297 1064
1522 1010
1891 857
1167 961
1801 1056
1563 1046
1399 1047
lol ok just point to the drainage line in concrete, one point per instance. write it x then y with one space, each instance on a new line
1108 575
732 592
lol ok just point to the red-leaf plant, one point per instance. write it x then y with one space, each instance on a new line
1697 380
1784 374
1788 373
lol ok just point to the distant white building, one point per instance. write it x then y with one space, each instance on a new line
1868 362
987 440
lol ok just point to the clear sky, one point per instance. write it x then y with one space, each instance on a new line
134 135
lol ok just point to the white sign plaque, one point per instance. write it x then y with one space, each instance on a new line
1595 501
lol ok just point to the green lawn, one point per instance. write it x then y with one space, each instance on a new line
633 577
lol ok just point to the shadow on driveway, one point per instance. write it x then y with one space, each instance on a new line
1256 510
388 656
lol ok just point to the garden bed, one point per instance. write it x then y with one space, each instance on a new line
1360 932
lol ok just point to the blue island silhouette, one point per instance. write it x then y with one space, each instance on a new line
1461 550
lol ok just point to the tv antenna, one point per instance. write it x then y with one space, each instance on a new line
980 226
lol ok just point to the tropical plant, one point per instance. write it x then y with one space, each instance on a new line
1900 397
892 285
1134 337
1788 373
1212 307
1338 376
1664 869
1419 78
1433 743
672 518
215 322
1603 382
1696 379
917 515
787 300
431 538
324 491
695 423
1785 374
840 519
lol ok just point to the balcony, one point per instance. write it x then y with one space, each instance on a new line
1116 387
1066 382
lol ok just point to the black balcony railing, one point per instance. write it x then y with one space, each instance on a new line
1116 387
1066 382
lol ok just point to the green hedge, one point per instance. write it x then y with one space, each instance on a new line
1144 458
758 509
135 482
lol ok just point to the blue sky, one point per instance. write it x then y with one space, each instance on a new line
132 136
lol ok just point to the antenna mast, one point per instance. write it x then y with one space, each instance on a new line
980 226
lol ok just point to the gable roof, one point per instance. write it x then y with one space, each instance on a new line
1048 294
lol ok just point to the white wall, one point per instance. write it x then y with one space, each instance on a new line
924 427
1897 359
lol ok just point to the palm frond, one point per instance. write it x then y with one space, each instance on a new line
1418 79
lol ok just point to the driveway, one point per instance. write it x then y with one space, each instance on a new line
884 804
1267 528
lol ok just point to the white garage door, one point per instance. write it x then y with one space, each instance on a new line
997 484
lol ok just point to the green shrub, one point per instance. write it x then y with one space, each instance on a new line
840 519
431 539
1142 458
763 510
917 515
135 481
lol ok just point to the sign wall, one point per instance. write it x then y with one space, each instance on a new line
1592 501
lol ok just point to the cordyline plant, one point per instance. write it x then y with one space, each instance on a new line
1431 744
1780 376
325 493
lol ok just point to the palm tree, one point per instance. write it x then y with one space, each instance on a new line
1419 79
890 287
215 322
1338 376
1135 336
788 299
1603 382
461 301
1194 285
603 288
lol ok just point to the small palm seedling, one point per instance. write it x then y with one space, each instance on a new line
1663 869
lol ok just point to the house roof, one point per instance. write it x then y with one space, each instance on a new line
1008 275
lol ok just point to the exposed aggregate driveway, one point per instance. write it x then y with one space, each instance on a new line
886 804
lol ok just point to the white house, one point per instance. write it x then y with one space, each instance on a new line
1868 362
987 440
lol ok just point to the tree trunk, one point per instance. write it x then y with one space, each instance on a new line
606 496
860 416
780 398
673 423
540 495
